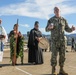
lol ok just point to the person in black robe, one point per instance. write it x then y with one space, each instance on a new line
35 54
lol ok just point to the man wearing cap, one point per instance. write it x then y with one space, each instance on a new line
57 25
3 38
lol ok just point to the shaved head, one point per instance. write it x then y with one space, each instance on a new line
56 8
57 11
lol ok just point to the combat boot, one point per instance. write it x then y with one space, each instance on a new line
62 72
53 70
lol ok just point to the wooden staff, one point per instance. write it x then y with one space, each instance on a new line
15 48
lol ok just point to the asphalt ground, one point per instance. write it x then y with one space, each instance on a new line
31 69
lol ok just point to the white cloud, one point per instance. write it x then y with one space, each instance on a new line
37 8
24 25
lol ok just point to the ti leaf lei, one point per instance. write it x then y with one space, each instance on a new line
13 45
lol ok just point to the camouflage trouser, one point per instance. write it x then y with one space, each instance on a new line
57 47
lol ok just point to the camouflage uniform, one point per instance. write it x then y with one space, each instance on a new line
57 39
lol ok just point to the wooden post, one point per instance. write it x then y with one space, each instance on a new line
15 48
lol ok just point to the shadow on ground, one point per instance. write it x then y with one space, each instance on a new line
27 64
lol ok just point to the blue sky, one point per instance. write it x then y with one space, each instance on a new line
29 11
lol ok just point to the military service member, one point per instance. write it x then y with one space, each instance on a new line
57 25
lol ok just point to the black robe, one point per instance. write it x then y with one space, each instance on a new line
35 53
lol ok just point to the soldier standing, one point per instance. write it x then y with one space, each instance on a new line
57 25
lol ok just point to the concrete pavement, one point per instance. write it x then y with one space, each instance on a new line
30 69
